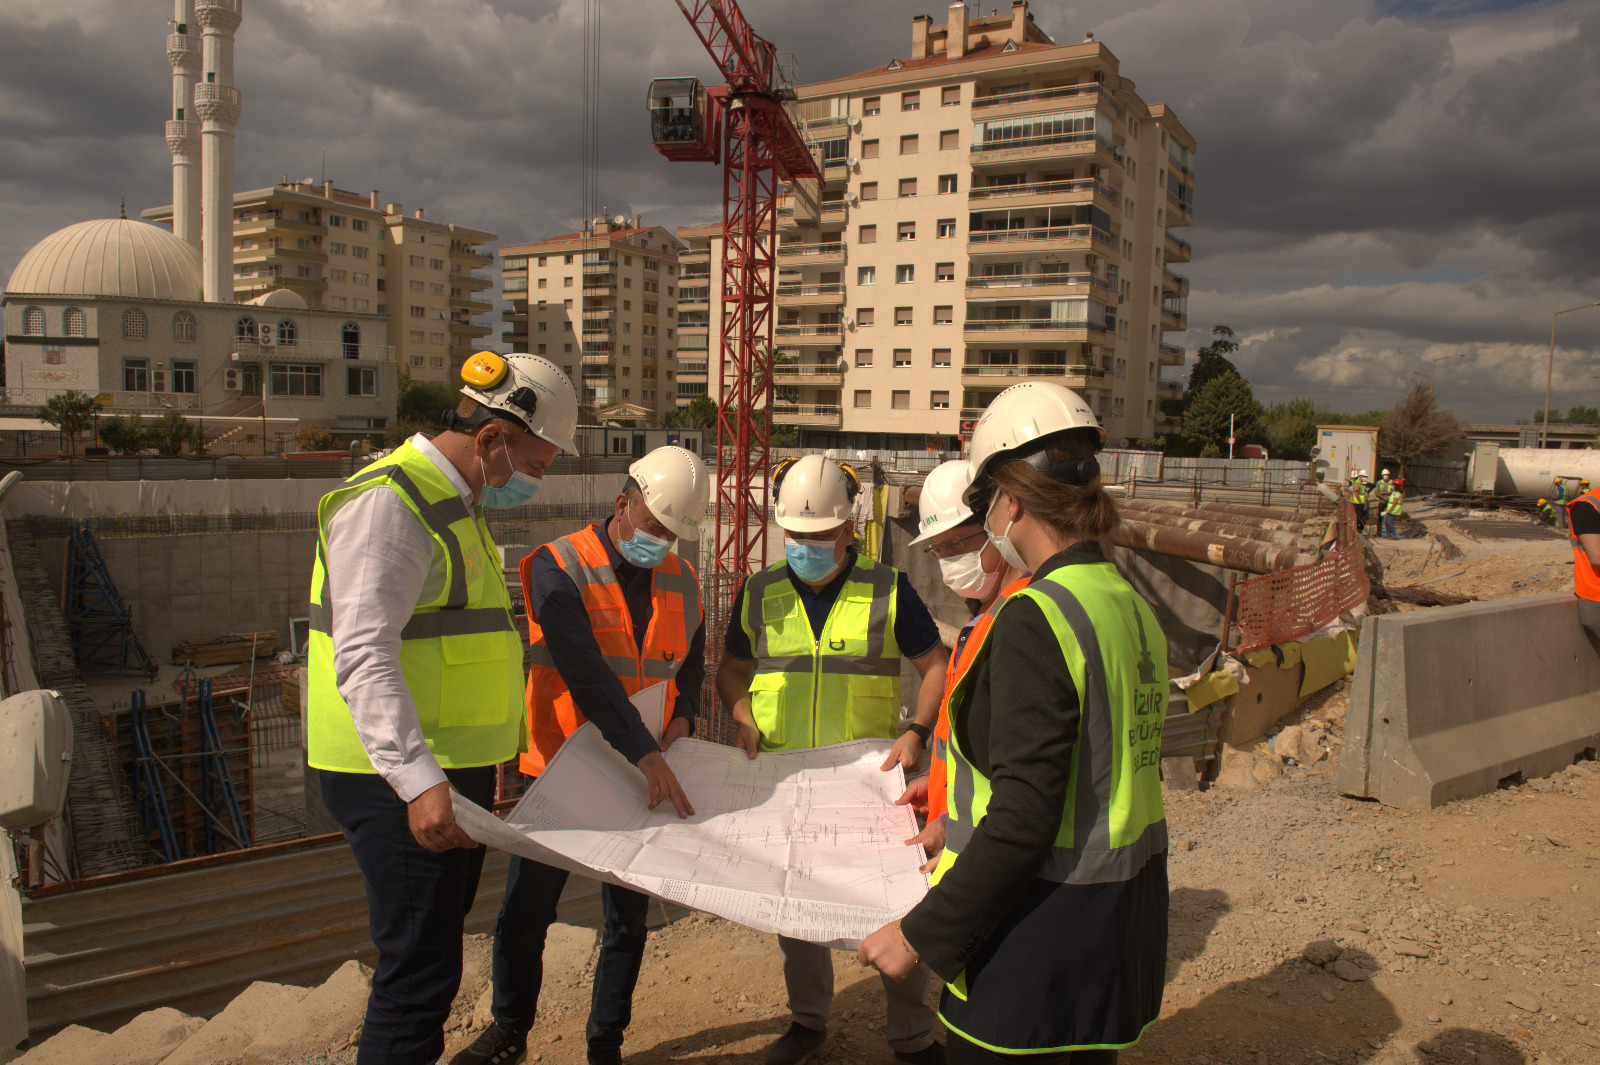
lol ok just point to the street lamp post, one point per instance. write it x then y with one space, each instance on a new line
1434 365
1550 369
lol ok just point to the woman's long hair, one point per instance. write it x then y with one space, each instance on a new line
1080 512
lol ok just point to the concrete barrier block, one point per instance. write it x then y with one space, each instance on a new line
1450 702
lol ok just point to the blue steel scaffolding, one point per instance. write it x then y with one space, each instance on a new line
100 621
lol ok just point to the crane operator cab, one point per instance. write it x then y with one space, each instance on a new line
680 119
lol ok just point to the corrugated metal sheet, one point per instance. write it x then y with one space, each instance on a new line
196 933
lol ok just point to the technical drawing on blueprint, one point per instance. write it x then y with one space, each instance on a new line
808 844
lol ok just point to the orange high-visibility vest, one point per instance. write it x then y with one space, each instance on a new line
1585 581
675 616
960 662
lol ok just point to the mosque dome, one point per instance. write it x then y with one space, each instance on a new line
281 298
110 257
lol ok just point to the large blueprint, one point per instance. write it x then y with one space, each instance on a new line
808 844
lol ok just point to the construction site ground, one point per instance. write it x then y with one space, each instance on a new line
1305 927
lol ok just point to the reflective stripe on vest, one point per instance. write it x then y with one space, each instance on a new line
1585 578
675 614
810 692
457 649
1112 822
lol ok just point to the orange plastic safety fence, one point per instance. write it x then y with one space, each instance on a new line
1291 603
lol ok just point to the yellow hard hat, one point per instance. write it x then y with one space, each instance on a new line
1542 502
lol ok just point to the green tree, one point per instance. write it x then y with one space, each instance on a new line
1151 443
125 434
1415 428
72 412
419 408
1291 428
1207 419
1212 361
309 436
1583 416
171 431
1211 451
699 413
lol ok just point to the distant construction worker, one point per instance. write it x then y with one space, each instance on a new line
1559 501
1393 507
1358 497
1544 512
415 674
972 568
1583 526
812 657
611 612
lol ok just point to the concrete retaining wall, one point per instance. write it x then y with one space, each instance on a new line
1449 702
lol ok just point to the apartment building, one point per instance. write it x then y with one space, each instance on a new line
343 251
996 208
601 303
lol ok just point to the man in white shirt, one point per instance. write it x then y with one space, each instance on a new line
415 676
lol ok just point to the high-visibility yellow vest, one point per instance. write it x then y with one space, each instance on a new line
1395 503
460 652
810 692
1358 492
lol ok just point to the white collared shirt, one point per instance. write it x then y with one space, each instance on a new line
381 563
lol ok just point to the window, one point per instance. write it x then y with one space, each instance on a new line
435 264
566 349
302 271
296 379
338 275
869 149
871 105
361 381
944 271
939 400
72 322
905 274
544 327
863 356
863 397
418 360
436 338
902 316
542 259
943 315
869 190
910 101
941 356
566 260
949 140
418 312
947 227
947 184
381 259
359 225
540 350
358 252
908 186
908 144
136 375
302 244
566 282
418 286
134 325
288 332
436 289
33 322
417 260
865 316
900 400
416 336
866 275
338 303
336 221
359 278
950 96
183 327
245 330
335 248
185 375
902 357
350 340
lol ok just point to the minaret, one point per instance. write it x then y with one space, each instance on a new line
183 130
217 103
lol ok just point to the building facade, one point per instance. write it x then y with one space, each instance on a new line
345 252
601 303
997 208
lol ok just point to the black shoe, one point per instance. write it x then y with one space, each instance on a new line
605 1056
796 1045
932 1054
496 1046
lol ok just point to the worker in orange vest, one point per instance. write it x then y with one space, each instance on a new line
611 612
972 568
1583 526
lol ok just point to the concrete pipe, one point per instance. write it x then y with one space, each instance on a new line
1223 517
1283 537
1229 552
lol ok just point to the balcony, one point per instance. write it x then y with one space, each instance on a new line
596 349
1179 212
834 213
1038 286
694 255
796 334
1040 240
1172 322
810 295
1001 105
1171 355
690 277
1032 330
253 285
692 368
835 171
268 226
471 255
1006 375
600 327
1178 249
1169 389
1084 145
263 252
605 371
812 254
471 305
599 266
807 374
477 280
1174 283
517 340
818 414
471 329
1045 194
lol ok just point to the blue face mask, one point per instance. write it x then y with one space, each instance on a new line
809 561
518 489
644 550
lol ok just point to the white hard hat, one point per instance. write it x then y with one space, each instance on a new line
1019 416
940 508
675 487
1386 473
814 494
529 389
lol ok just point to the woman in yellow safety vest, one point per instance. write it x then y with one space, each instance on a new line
1047 918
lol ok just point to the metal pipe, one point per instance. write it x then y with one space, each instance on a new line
1229 552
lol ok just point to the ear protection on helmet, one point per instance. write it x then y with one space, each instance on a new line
852 479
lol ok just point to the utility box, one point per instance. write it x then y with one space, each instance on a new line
1483 467
1344 449
35 757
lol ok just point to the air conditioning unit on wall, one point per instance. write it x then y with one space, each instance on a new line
230 380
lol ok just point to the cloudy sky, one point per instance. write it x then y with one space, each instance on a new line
1379 182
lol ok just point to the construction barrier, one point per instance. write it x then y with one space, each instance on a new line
1292 603
1455 701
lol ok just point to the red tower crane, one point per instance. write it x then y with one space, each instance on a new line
742 124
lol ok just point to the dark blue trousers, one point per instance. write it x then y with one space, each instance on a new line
532 891
417 904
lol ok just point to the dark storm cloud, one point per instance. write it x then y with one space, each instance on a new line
1379 180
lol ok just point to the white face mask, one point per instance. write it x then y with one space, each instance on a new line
1002 543
965 575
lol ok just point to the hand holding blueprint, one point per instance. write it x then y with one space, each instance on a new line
808 844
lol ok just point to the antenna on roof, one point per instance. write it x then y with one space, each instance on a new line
122 207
